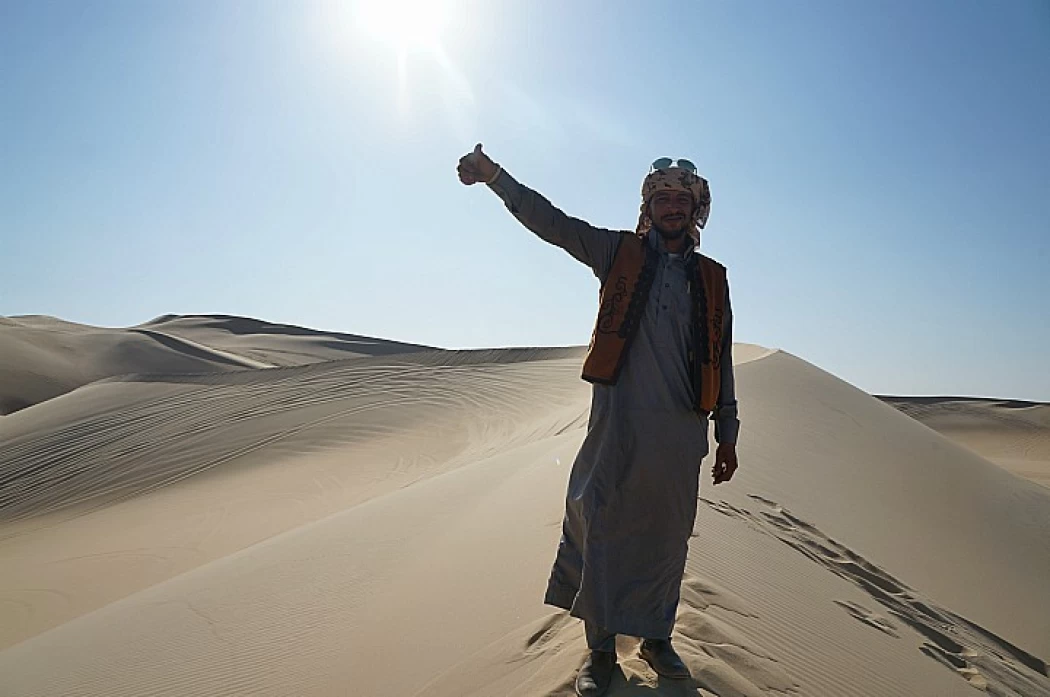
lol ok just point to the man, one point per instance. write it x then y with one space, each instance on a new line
661 362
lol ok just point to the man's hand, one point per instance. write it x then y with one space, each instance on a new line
476 167
725 463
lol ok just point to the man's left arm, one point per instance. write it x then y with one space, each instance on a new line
727 424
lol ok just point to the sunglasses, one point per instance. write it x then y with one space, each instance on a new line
666 162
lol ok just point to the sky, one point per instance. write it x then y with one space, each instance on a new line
880 172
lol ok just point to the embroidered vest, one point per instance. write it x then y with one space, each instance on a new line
621 305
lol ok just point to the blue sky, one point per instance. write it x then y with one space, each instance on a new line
880 171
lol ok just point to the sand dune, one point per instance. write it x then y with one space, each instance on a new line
384 525
306 441
44 357
1010 433
276 344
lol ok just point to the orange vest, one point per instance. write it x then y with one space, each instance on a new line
621 305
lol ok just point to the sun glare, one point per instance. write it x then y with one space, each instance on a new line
415 34
406 24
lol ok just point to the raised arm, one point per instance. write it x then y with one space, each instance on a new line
591 245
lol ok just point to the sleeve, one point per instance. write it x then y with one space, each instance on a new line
593 246
727 425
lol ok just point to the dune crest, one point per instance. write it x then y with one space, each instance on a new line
45 357
1011 433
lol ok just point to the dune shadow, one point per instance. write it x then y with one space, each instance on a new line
186 348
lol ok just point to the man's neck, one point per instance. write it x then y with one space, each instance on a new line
675 246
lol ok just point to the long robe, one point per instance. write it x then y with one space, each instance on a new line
631 500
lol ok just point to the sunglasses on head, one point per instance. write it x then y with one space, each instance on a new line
666 162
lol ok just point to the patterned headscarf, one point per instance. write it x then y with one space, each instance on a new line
676 179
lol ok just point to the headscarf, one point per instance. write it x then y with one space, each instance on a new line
676 179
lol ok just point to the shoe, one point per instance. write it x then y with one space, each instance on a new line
595 674
661 657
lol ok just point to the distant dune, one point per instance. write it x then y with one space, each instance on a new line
373 518
1010 433
44 357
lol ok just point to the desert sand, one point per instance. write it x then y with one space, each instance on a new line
1009 432
212 505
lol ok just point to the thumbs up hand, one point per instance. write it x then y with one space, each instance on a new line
476 167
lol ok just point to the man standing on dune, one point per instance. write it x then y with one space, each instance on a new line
660 359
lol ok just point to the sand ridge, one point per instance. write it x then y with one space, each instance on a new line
184 439
1012 433
45 356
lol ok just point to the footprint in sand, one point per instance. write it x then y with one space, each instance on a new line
769 502
866 616
982 658
547 632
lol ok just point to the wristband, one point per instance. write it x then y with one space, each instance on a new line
499 168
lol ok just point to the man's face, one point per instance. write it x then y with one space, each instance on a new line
670 212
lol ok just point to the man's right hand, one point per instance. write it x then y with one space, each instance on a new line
476 167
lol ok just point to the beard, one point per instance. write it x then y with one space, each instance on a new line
671 233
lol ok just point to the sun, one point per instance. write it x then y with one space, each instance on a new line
404 24
416 34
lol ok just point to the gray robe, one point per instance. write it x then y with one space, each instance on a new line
632 493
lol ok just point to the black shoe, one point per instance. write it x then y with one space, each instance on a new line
662 658
596 674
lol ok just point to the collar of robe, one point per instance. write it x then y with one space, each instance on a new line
657 242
